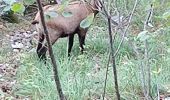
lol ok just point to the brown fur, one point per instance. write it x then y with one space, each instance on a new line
61 26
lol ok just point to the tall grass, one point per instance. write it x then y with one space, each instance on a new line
82 75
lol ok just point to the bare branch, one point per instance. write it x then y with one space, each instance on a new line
105 81
127 27
107 13
142 64
55 70
146 56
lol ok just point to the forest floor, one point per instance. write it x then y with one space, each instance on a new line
14 38
82 76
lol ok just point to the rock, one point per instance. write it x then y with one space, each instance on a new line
1 65
27 35
117 18
28 32
16 38
32 50
27 47
17 45
35 32
167 98
21 31
22 40
16 50
7 35
1 26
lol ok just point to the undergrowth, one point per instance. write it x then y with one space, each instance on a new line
82 75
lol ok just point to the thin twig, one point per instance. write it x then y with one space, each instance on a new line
55 70
158 91
112 50
146 55
145 88
141 67
105 81
113 59
127 27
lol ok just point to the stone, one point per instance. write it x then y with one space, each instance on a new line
17 45
16 50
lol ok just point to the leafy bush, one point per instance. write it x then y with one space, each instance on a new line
14 5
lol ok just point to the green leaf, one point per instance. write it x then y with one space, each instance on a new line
47 17
7 8
18 8
29 2
67 14
166 15
65 2
63 5
50 14
87 21
150 25
10 2
156 3
142 36
168 50
1 6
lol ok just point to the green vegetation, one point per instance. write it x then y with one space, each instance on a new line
82 76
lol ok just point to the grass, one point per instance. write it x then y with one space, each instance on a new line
82 76
79 75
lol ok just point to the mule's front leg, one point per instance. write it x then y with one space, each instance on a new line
70 43
42 53
41 48
82 36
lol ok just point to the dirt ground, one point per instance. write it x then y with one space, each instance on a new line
14 38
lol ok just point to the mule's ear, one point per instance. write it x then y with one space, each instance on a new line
98 4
